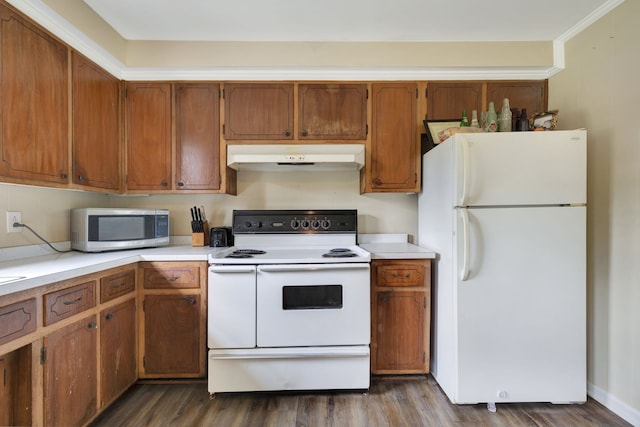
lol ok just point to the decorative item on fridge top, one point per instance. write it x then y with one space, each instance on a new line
522 123
474 119
464 122
544 121
492 119
439 130
505 116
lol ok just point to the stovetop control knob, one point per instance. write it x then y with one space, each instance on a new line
325 224
295 224
304 224
315 224
248 224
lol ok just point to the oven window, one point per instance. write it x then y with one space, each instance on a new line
311 297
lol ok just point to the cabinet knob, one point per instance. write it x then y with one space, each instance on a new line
64 176
180 184
287 133
377 181
191 301
81 178
109 316
164 183
93 325
305 133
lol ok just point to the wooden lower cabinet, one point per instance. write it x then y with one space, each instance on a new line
15 388
400 316
70 374
173 319
118 368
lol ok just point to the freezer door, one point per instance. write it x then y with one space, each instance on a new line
520 296
520 168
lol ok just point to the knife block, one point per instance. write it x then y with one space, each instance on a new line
202 238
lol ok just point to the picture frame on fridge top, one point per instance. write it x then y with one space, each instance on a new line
433 127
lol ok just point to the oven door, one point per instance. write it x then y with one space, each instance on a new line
313 305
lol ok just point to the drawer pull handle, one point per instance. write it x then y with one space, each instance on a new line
171 279
118 285
400 276
75 301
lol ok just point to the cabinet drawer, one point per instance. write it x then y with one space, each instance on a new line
401 274
116 285
67 302
17 320
178 277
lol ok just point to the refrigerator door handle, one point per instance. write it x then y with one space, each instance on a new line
464 273
464 144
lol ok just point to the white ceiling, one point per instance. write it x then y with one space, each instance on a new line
345 20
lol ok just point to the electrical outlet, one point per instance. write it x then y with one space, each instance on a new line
13 217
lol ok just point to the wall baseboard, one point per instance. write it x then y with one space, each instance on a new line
620 408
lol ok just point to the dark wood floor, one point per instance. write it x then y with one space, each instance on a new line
394 402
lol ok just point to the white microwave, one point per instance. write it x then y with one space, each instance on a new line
109 229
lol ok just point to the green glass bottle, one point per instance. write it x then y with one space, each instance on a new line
465 120
492 119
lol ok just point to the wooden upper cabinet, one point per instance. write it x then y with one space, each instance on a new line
197 125
34 82
395 149
96 125
531 95
446 100
148 131
332 111
258 111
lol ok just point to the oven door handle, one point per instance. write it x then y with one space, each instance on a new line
232 268
311 267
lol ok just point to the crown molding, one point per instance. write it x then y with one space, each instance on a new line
48 18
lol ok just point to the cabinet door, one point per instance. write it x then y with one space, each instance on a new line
531 95
395 147
446 100
96 125
399 342
332 111
118 350
16 388
148 123
258 111
70 374
173 344
197 137
34 83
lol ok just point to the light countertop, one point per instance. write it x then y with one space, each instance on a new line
33 271
393 246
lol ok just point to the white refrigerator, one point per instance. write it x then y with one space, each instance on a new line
506 214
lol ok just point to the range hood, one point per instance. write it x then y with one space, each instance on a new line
295 157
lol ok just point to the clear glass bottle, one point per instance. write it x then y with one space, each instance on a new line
474 119
492 119
465 120
505 116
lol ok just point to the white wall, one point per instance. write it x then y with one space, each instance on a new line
47 210
599 90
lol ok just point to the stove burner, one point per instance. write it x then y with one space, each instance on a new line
340 253
245 253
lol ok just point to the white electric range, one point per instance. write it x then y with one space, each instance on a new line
289 304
